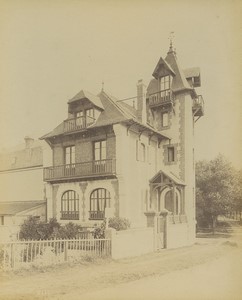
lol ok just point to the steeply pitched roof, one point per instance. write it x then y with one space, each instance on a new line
179 81
13 208
87 95
153 87
114 112
162 64
129 109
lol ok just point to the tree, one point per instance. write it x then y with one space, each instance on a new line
215 181
237 195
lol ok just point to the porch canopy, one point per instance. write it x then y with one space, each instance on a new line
167 192
164 178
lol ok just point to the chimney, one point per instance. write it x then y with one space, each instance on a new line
28 142
141 101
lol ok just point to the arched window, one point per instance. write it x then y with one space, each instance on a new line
142 152
99 200
70 206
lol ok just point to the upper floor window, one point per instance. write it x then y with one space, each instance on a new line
164 119
90 113
80 120
70 155
171 154
140 151
100 151
165 83
70 206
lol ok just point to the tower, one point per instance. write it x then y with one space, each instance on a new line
173 107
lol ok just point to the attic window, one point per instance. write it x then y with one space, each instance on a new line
165 83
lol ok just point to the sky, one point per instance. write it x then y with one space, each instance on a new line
50 50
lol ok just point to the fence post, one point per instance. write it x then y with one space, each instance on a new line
65 250
12 256
110 234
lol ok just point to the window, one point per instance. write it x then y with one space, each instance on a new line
100 152
165 83
90 113
70 206
70 155
90 116
164 119
140 151
80 120
171 154
99 200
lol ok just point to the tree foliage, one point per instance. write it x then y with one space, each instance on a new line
216 183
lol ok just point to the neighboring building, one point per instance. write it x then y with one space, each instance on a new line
133 160
22 190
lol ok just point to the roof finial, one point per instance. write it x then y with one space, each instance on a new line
171 37
102 86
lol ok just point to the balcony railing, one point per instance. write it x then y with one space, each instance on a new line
96 215
78 123
162 97
69 215
94 168
198 106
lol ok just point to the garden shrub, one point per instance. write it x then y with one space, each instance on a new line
119 223
34 229
99 232
67 231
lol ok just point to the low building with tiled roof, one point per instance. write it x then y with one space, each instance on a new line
22 191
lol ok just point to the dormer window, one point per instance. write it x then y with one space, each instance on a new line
165 83
90 113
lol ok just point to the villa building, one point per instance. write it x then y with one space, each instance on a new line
128 160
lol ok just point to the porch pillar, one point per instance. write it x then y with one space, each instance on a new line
173 192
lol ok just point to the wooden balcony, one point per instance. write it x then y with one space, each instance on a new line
91 169
78 123
198 106
161 98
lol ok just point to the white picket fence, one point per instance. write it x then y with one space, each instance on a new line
21 254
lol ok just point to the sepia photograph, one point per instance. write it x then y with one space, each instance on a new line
121 150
